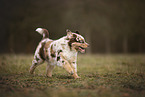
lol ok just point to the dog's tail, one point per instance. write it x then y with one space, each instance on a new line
43 32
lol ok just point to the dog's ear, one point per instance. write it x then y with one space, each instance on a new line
77 32
69 33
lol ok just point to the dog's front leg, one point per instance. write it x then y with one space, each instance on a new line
74 66
67 66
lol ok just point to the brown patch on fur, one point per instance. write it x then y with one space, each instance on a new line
73 39
47 45
52 51
46 33
58 58
41 52
59 51
84 45
47 57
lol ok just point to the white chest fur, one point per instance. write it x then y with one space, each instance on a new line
62 44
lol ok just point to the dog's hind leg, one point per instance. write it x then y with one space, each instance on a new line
36 62
49 70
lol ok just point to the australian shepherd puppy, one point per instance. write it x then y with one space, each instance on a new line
62 52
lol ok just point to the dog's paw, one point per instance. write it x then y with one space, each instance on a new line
49 75
30 71
77 77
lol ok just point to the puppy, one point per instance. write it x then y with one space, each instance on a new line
62 52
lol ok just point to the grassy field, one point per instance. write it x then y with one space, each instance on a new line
101 76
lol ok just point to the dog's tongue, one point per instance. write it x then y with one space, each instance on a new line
82 50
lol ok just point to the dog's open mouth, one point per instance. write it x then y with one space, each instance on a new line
81 49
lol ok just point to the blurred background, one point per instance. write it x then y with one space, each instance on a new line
109 26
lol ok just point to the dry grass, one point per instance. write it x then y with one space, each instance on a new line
101 76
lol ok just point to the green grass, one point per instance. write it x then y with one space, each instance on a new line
101 76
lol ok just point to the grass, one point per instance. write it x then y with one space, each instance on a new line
101 76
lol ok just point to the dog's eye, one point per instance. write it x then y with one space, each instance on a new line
77 39
81 41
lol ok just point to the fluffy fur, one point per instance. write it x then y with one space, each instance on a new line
62 52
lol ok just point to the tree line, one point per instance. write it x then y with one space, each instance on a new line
113 26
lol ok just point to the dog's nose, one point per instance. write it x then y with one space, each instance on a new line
87 44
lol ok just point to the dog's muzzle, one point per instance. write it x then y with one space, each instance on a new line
81 47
